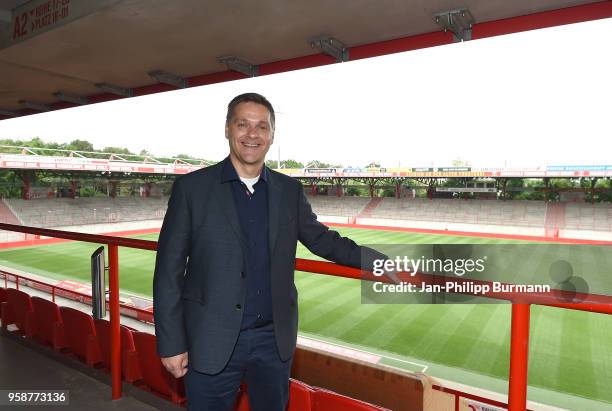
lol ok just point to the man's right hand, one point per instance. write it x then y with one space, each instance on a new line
176 365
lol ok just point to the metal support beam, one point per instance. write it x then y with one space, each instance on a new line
168 78
331 46
34 106
71 98
113 89
458 22
8 113
241 66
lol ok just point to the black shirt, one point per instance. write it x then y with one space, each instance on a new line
252 210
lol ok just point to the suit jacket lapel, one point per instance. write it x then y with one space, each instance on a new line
274 198
225 197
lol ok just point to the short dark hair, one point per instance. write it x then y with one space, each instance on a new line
249 98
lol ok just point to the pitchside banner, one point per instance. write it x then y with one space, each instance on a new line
488 273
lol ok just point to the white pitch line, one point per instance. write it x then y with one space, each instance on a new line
424 367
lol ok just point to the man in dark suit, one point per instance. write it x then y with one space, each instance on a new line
225 302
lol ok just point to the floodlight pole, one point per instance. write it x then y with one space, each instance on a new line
519 358
113 283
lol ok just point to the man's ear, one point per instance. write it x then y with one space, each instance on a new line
226 131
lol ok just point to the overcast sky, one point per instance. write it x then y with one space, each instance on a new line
533 98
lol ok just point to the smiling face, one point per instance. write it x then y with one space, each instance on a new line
250 136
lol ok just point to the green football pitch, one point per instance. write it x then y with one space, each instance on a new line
570 351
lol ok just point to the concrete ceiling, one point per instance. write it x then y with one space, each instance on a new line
120 41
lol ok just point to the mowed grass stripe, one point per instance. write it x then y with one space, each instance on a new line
544 345
371 318
489 342
576 360
413 338
461 337
394 323
324 308
601 337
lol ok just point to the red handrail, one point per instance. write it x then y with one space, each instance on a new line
517 396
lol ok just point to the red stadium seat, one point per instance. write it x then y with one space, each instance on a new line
130 367
325 400
80 335
16 309
2 300
154 374
300 396
242 401
44 323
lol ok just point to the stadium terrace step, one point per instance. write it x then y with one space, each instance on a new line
555 218
7 215
370 207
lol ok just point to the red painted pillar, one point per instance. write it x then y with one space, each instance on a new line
73 188
113 285
519 358
25 188
147 192
113 192
339 190
313 189
397 190
371 190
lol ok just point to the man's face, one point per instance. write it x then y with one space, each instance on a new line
250 133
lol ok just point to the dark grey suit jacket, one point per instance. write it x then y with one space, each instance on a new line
199 287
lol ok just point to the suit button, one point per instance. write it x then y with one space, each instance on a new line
242 274
238 306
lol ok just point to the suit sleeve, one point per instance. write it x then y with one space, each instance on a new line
326 243
170 264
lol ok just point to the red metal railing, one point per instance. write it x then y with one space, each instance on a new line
460 394
519 344
65 292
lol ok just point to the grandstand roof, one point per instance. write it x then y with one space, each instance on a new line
49 47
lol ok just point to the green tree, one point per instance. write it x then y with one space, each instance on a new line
79 145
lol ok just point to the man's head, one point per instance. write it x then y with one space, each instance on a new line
249 127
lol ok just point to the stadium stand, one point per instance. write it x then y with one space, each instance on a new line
583 216
80 335
130 367
7 215
338 206
105 214
521 213
44 323
370 207
58 212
